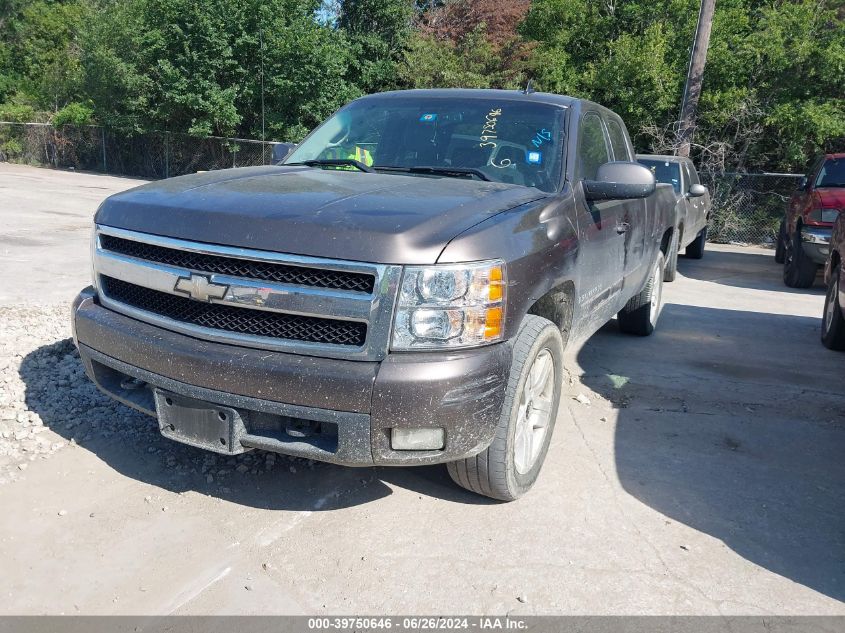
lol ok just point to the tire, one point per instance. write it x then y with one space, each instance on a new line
498 471
695 249
671 270
799 271
641 313
833 321
779 246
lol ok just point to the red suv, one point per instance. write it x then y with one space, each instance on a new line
804 239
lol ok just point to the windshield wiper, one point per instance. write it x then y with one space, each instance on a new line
335 162
452 172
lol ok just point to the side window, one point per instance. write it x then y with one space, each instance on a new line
592 148
832 174
815 171
617 140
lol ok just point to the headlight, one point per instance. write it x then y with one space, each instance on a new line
460 305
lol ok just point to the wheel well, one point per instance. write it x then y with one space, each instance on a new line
557 305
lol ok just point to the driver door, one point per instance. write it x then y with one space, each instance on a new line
632 212
601 226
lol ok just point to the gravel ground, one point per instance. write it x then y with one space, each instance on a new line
35 341
48 404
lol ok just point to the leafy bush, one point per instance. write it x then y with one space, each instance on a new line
16 113
73 114
10 149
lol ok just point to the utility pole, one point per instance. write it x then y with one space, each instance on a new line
695 75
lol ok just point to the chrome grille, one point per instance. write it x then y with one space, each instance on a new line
248 269
275 301
242 320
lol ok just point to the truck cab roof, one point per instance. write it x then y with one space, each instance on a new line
481 93
547 98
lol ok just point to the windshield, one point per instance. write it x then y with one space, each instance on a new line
664 171
505 140
832 173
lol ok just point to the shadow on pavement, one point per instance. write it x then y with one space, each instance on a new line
755 269
733 423
69 404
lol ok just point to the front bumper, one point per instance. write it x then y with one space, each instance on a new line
815 240
358 401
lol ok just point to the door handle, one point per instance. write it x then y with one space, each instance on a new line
622 227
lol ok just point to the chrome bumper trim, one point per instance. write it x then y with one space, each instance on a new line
816 235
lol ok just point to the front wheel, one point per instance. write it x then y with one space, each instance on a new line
799 271
640 314
508 468
833 322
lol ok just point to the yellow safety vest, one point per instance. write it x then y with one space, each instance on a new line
360 154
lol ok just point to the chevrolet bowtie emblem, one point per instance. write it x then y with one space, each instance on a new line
199 287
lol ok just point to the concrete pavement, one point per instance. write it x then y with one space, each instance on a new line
46 218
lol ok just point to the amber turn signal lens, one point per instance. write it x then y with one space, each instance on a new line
496 284
493 323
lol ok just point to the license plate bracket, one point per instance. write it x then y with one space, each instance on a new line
198 423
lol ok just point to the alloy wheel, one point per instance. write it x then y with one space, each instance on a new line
534 411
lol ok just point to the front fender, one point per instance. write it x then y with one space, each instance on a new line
537 241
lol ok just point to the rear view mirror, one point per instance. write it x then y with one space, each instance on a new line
620 180
696 191
281 151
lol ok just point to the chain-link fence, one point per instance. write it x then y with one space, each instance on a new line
748 208
150 155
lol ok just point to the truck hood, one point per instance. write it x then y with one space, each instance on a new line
832 197
367 217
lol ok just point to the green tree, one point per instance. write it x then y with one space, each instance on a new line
773 86
199 67
772 94
627 59
433 63
377 33
40 53
774 82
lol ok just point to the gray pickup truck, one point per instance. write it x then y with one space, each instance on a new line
399 292
692 206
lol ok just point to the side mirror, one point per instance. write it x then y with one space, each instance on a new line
281 151
696 191
802 184
620 180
